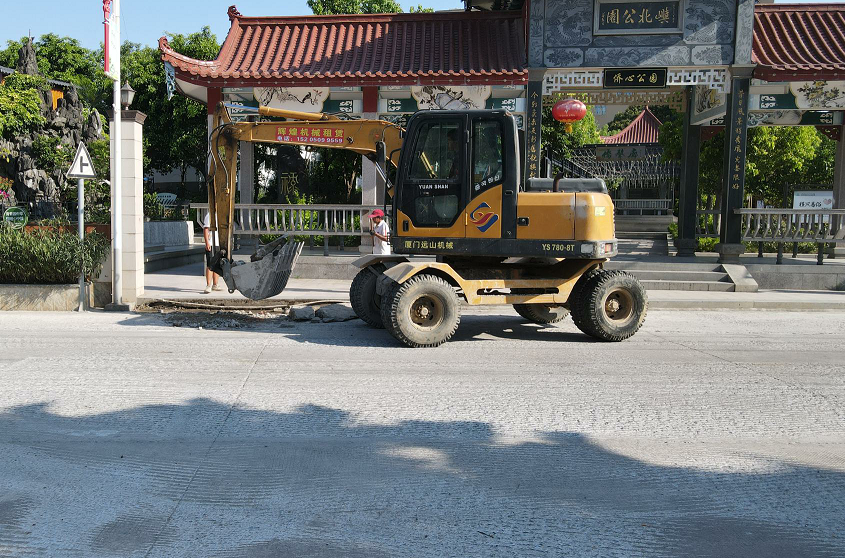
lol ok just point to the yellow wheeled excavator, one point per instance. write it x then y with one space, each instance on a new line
537 244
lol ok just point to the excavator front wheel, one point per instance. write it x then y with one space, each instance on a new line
362 294
424 311
611 306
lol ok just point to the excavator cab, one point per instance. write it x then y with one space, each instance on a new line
455 180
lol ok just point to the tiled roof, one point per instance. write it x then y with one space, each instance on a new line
643 129
799 41
384 49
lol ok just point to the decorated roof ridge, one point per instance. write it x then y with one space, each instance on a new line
644 128
799 41
450 47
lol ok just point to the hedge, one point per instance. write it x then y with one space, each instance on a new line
49 257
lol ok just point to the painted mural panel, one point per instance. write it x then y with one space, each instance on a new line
819 94
451 97
307 99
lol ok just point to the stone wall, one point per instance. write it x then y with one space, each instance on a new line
561 36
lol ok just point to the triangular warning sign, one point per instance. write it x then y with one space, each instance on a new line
82 166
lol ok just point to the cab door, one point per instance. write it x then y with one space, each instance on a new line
431 196
487 168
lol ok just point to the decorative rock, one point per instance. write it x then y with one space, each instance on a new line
301 313
336 313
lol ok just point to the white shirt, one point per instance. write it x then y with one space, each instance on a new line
206 224
379 245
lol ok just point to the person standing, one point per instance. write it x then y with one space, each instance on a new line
211 278
380 232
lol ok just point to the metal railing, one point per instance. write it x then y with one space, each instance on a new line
325 220
820 226
661 205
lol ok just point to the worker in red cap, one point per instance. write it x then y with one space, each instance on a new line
380 232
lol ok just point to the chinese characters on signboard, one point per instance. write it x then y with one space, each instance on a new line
738 130
317 136
532 131
635 78
613 17
429 244
620 153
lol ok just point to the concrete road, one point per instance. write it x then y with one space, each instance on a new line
707 434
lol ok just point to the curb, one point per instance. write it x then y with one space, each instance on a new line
745 305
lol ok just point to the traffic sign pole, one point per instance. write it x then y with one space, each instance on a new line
80 213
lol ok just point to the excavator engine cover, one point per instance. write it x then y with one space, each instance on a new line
268 272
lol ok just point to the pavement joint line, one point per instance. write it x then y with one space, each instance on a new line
210 446
761 372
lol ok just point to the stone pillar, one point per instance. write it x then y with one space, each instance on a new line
838 250
730 245
132 200
688 200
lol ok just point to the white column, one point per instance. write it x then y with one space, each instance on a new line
369 190
132 194
246 183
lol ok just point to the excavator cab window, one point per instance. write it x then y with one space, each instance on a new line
431 194
487 163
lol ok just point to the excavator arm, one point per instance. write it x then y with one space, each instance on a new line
267 274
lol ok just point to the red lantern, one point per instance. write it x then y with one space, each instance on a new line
569 111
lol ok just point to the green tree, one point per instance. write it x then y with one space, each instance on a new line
64 59
330 7
20 105
560 142
777 156
175 133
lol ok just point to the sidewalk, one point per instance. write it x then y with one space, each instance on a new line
186 284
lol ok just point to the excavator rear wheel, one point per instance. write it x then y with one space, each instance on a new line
424 311
362 294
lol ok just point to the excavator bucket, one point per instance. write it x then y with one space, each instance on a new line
267 273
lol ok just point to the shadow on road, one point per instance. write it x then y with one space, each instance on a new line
354 333
211 479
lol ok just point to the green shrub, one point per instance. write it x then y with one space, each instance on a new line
49 256
153 209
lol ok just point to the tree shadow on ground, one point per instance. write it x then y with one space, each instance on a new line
206 478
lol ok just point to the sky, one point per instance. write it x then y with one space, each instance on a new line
144 21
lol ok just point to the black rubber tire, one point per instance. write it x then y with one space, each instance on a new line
613 306
362 294
576 298
429 294
541 313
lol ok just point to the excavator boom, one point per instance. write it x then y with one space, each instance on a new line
267 274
